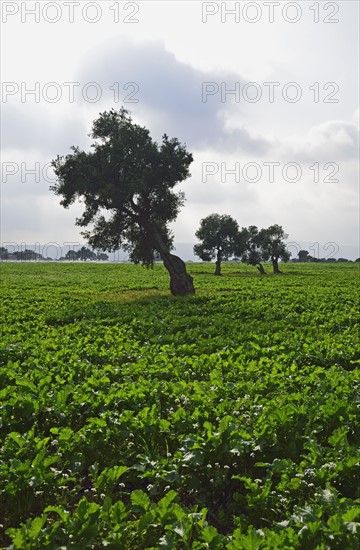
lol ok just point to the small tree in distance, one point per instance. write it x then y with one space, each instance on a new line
250 247
273 246
102 257
304 256
86 254
4 253
218 236
126 184
71 255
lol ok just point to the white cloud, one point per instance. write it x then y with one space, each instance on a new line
334 140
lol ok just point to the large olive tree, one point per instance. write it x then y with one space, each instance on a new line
126 184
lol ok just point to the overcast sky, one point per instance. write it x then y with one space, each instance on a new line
264 94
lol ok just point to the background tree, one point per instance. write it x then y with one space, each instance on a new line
130 178
102 257
27 255
304 256
218 239
250 247
71 255
273 246
83 254
86 254
4 253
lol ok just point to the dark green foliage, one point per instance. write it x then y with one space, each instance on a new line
128 175
85 254
24 255
82 254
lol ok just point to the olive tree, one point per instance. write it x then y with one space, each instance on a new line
250 247
273 246
218 239
126 183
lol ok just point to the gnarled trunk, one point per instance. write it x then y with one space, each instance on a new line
258 265
218 263
275 264
181 283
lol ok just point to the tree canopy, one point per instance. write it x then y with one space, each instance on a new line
273 245
304 256
250 241
85 254
218 239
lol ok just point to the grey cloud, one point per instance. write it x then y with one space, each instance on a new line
172 89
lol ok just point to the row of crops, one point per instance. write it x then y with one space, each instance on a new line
131 419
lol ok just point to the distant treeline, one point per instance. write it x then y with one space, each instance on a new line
72 255
86 254
304 256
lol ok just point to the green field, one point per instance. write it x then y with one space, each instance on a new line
131 419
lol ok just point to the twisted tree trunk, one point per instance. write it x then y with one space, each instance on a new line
258 265
275 264
218 262
261 269
181 283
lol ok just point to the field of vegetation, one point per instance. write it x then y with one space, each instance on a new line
131 419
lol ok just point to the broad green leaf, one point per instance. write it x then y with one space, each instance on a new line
140 501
